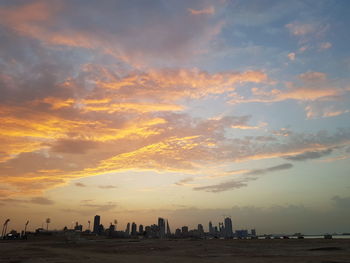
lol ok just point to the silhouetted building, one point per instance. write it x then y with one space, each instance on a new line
200 230
127 230
242 233
133 229
96 224
78 227
178 232
211 229
161 225
184 231
111 228
253 231
228 228
168 232
140 229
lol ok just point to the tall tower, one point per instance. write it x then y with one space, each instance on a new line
97 224
133 229
228 228
127 230
141 229
168 232
211 230
161 225
200 230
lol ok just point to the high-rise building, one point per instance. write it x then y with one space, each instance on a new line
211 229
200 230
168 232
127 230
141 229
133 229
228 228
253 231
161 225
178 232
97 224
184 231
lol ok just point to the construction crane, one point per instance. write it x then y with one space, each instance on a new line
25 227
4 228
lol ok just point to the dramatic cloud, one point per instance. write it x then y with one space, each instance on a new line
131 35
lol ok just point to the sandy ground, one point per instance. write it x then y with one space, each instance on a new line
144 251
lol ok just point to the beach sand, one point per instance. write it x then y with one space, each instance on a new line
144 251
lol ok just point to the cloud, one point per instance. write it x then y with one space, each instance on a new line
309 87
183 182
225 186
107 186
41 201
325 45
100 207
299 29
73 146
34 200
133 41
241 182
309 155
325 109
291 56
80 184
280 167
207 11
308 31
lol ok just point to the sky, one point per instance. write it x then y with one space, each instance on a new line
188 110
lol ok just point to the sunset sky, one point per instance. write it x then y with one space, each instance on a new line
189 110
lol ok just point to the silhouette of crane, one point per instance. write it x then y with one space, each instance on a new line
4 228
25 227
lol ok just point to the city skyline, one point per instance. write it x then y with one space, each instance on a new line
192 110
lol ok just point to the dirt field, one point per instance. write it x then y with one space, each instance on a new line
144 251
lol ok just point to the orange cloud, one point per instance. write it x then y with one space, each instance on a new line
315 86
175 84
207 11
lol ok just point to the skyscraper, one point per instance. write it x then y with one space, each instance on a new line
200 230
228 228
133 229
168 232
97 224
211 229
127 230
161 225
141 229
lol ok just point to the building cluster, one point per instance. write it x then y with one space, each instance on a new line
162 230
